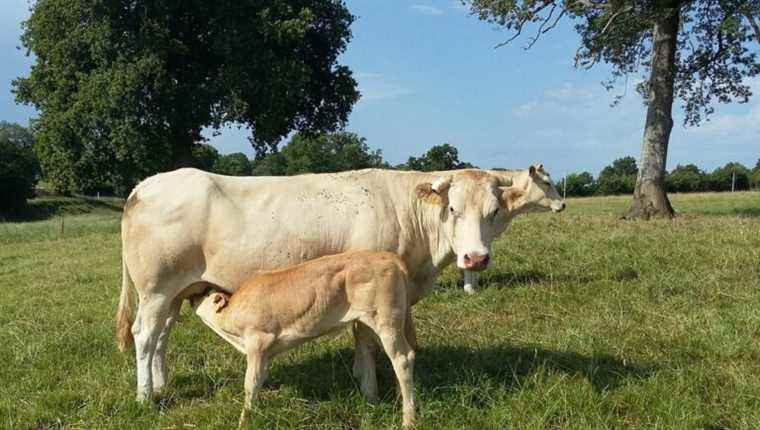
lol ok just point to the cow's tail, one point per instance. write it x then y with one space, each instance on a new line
124 338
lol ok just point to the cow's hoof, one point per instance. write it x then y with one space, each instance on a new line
469 289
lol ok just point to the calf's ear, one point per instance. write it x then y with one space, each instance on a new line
437 192
509 197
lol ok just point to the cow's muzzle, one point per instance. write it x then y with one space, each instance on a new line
475 262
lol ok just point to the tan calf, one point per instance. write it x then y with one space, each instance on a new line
279 310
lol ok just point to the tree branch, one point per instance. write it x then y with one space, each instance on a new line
615 15
527 16
747 14
589 4
542 28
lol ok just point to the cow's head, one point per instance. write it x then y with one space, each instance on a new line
532 191
474 208
468 207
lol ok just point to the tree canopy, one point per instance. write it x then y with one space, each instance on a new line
235 164
330 152
439 157
19 169
124 89
205 156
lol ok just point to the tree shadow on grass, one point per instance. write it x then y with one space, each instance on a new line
747 212
326 376
42 209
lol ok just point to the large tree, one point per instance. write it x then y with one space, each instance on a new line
696 50
124 89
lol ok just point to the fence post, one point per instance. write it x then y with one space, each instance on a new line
564 187
733 181
61 225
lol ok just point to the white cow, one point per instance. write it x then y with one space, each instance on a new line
184 229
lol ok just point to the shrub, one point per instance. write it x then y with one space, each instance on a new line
685 179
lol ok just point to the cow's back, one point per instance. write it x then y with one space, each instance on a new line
191 225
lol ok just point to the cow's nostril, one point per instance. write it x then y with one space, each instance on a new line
467 258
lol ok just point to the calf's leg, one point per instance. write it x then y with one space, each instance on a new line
255 373
402 359
390 330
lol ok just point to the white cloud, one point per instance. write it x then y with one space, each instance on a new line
374 86
426 9
526 109
570 92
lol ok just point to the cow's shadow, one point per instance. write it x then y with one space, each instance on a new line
325 376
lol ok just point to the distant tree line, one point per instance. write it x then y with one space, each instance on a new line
620 178
21 156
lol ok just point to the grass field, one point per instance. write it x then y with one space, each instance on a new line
584 322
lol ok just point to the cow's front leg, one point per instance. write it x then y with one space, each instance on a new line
470 281
364 361
409 332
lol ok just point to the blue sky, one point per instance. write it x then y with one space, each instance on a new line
429 74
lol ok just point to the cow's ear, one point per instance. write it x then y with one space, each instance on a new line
435 193
509 197
441 185
532 171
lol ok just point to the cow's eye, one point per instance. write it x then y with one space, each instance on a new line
451 209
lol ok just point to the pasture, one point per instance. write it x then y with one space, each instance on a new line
582 321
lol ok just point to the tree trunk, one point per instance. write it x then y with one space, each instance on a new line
649 197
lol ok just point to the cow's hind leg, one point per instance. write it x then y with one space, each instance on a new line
149 322
160 372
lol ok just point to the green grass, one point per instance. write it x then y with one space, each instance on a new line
585 321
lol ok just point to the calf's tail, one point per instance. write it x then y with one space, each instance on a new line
124 338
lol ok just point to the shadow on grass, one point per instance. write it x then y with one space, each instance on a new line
506 279
46 208
326 376
528 277
747 212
